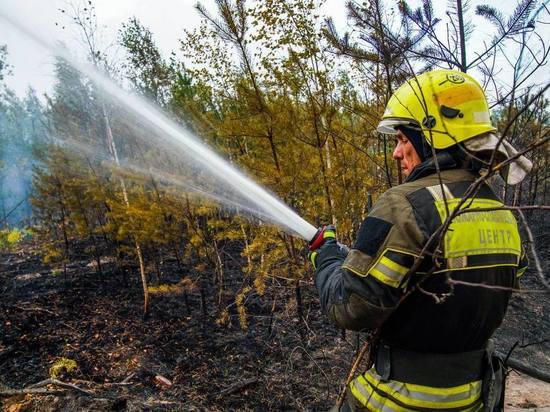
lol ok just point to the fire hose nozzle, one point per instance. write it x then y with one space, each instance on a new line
323 233
318 240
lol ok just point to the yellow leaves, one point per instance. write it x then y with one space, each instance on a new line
259 283
204 209
279 108
223 318
241 309
10 238
184 285
195 239
14 236
52 254
62 365
230 233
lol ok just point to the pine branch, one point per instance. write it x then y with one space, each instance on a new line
518 21
493 15
342 44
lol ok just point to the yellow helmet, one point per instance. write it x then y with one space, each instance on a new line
447 105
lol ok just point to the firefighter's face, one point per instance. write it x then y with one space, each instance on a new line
405 153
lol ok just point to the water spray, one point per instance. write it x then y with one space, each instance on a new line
263 204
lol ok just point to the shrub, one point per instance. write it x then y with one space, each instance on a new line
10 238
62 365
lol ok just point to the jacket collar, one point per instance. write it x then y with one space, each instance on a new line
444 159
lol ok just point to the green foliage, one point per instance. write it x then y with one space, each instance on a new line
4 67
240 303
270 109
10 238
62 365
145 67
185 285
263 86
14 237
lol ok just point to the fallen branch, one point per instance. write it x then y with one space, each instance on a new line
35 391
238 387
538 266
451 281
163 381
124 382
527 369
34 309
38 388
364 350
6 351
64 385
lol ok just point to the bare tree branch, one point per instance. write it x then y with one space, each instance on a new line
533 250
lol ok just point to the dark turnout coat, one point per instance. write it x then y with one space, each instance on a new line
433 335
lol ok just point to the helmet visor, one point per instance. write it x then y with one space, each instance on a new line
388 126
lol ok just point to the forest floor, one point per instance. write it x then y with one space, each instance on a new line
180 359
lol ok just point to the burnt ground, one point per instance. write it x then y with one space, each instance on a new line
96 321
527 320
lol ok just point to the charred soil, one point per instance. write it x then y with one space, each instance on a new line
182 357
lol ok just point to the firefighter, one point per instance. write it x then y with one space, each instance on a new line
433 350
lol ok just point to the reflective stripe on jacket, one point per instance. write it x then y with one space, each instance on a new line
374 394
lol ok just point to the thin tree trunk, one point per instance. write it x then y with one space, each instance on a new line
143 280
273 150
300 311
186 301
4 211
325 179
246 247
272 316
114 153
220 273
330 200
462 36
90 234
517 195
64 228
530 190
536 187
544 192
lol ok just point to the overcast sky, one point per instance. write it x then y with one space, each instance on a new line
32 65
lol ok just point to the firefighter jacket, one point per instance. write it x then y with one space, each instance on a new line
363 289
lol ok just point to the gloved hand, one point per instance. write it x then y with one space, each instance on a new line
324 235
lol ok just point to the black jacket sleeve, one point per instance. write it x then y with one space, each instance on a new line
360 288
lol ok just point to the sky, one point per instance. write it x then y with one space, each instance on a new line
32 65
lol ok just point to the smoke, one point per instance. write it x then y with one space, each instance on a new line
21 125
